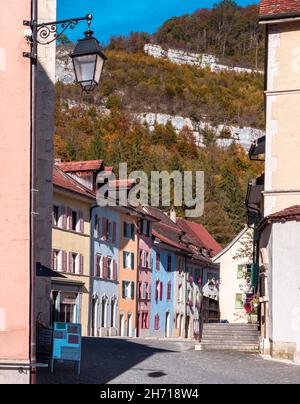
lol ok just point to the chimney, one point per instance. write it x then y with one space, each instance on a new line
173 215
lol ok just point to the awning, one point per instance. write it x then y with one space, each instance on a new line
258 147
45 272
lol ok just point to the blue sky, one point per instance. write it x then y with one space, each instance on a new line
113 17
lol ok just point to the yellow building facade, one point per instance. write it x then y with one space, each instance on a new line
71 231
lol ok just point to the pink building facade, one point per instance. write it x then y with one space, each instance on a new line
23 297
144 277
15 99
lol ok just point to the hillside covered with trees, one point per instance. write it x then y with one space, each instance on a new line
228 31
103 125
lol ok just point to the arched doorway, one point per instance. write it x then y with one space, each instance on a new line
167 325
95 309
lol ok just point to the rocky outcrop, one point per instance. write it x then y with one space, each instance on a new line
193 59
243 136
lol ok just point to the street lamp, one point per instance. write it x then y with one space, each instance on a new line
88 59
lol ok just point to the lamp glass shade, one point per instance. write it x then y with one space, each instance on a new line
85 67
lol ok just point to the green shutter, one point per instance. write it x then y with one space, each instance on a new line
132 232
125 229
132 290
254 275
132 260
124 259
124 290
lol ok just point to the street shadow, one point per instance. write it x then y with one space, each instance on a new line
103 360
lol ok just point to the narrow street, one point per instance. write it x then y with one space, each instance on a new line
122 361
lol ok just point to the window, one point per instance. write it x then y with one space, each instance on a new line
56 216
239 301
113 313
144 291
97 226
145 321
75 263
127 290
180 294
158 290
146 227
180 265
169 267
157 261
128 260
129 230
74 220
98 266
56 260
241 271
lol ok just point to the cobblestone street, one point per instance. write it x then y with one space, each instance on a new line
121 361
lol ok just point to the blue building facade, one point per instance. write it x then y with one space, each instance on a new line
105 248
162 300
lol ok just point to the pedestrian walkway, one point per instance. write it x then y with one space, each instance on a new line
121 361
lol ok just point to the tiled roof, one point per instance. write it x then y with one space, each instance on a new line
201 236
278 7
73 166
286 215
63 180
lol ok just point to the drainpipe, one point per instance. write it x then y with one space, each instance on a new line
33 213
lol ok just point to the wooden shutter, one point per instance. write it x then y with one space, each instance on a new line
64 218
81 262
96 265
161 287
70 262
81 221
105 267
132 260
124 259
124 290
156 322
125 229
132 290
69 219
52 260
64 267
115 274
169 290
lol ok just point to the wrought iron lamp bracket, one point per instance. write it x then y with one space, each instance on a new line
48 32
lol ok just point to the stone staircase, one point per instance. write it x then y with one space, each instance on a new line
229 337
